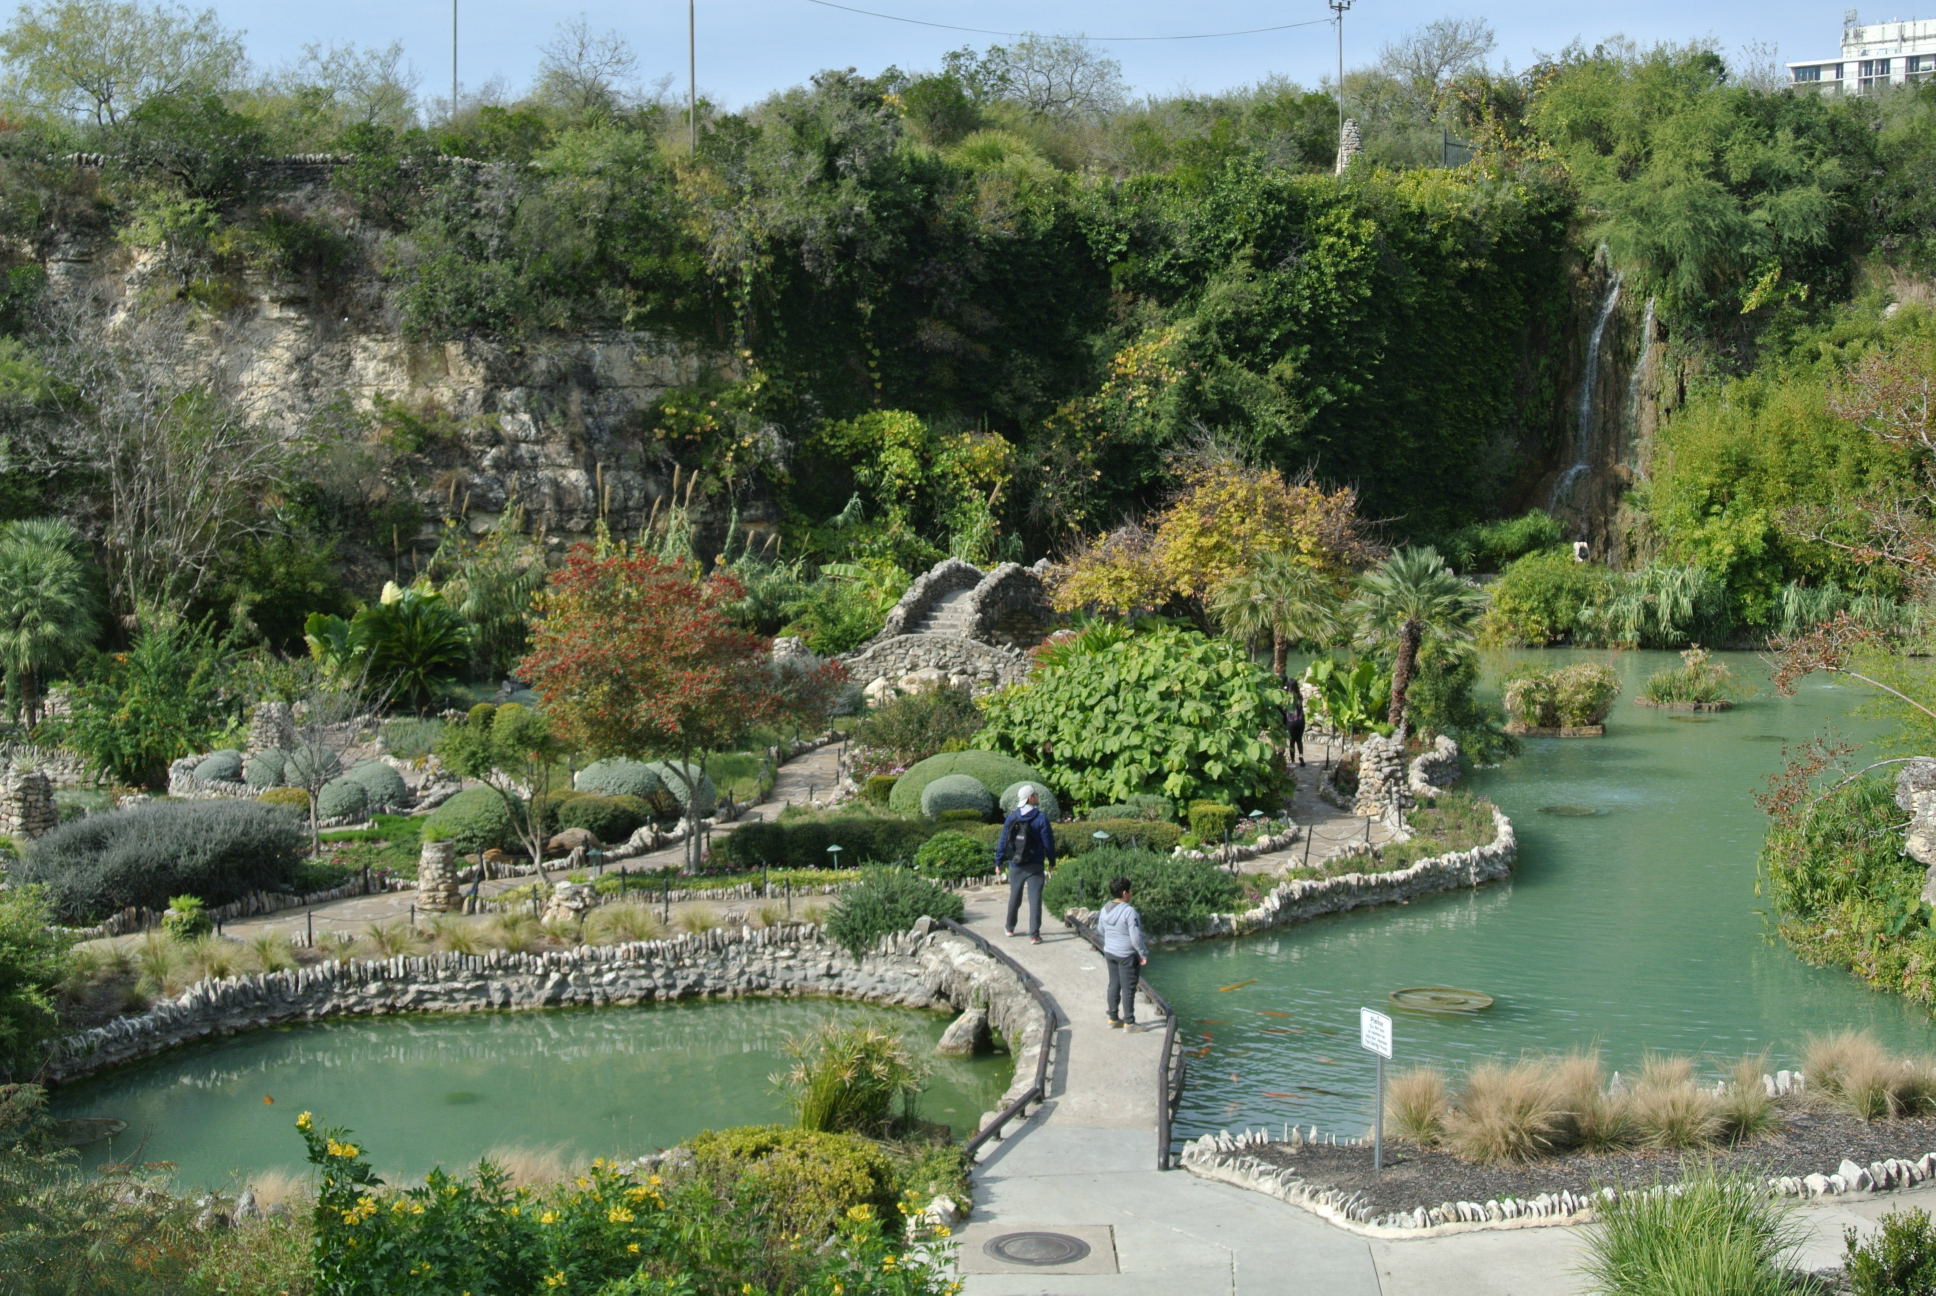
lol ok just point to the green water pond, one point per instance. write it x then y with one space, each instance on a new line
427 1090
1631 924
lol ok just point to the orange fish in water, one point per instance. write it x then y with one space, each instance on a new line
1326 1062
1207 1022
1272 1093
1277 1030
1266 1012
1239 985
267 1101
1202 1052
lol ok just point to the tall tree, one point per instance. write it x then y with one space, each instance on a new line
1406 597
50 607
634 656
99 60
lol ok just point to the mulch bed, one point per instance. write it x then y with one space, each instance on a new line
1808 1142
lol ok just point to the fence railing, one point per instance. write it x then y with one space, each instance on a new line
1051 1020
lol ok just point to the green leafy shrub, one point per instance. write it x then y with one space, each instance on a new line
912 727
1137 807
849 1078
885 902
1172 895
311 766
683 789
1900 1260
1573 696
411 738
1699 679
611 819
1544 598
801 841
1168 712
956 794
1662 605
476 819
287 797
1710 1234
385 786
342 799
1210 820
812 1178
953 857
1489 546
617 776
550 804
1356 698
992 770
186 919
1045 799
877 788
223 766
263 769
142 855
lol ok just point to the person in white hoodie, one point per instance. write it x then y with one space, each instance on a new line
1124 949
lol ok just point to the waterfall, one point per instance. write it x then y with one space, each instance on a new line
1637 386
1583 411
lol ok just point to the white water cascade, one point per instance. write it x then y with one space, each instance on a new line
1583 410
1637 387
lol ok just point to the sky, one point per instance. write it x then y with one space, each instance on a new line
749 48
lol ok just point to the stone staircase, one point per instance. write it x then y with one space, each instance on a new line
952 614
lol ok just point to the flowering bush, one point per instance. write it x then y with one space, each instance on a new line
700 1232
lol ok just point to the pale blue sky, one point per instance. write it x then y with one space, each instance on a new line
750 47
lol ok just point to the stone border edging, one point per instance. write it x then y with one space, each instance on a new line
926 967
1220 1158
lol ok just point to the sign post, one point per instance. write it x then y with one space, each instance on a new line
1375 1036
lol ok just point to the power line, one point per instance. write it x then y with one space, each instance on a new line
983 31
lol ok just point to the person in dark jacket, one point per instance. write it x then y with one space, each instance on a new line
1294 723
1026 849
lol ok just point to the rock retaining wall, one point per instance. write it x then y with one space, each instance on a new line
938 658
1436 770
928 967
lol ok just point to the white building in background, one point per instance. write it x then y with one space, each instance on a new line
1873 57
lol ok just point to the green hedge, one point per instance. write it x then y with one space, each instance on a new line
953 857
1172 895
611 819
1079 835
802 843
992 770
386 787
342 799
617 776
475 819
957 792
146 854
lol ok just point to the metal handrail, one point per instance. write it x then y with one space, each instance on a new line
1169 1078
1039 1090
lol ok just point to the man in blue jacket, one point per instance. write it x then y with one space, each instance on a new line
1026 849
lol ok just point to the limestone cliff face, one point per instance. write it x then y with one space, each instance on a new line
555 425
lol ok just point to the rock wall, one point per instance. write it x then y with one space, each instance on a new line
929 967
26 804
1384 791
914 661
949 576
1435 770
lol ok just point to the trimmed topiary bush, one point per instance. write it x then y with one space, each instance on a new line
263 770
957 794
992 770
550 804
618 776
1009 799
307 767
143 855
1210 820
385 786
679 783
342 799
953 857
1172 895
877 789
287 797
223 766
475 819
885 902
611 819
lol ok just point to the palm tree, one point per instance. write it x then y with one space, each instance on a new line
50 606
1409 595
1279 596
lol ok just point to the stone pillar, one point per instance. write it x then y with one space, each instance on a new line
1351 142
271 726
27 804
1382 793
437 877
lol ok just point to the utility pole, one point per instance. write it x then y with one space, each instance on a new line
453 60
1338 7
692 77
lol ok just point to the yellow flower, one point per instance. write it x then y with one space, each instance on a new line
549 1217
555 1279
344 1150
655 1181
304 1121
943 1230
887 1263
619 1215
861 1213
633 1247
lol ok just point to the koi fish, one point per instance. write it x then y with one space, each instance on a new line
1268 1012
1240 985
1277 1030
267 1101
1202 1052
1272 1093
1208 1022
1326 1062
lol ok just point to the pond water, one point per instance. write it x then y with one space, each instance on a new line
1631 924
428 1090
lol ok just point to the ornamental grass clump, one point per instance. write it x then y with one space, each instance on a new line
1857 1075
851 1078
1669 1109
1505 1114
1708 1234
1698 681
1591 1118
1416 1103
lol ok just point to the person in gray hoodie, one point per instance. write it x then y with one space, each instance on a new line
1124 949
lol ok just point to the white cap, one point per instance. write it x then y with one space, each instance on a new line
1024 792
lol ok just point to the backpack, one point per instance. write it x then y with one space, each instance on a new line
1017 843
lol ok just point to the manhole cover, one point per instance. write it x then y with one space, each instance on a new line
1036 1248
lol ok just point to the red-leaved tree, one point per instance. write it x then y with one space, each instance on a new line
636 656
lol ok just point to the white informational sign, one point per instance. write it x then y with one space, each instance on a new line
1374 1032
